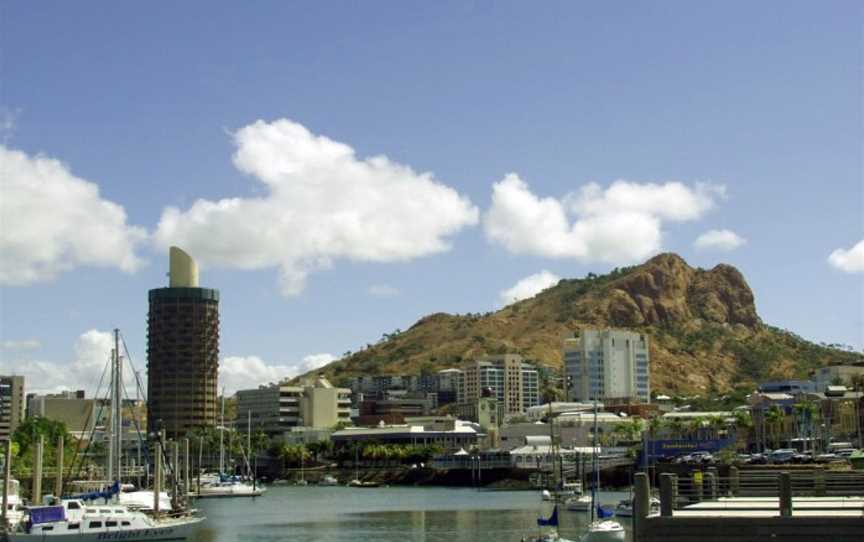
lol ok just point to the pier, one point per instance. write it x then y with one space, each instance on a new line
707 509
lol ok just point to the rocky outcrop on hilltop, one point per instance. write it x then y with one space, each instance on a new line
705 333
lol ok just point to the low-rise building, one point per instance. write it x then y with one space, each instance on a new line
449 433
278 408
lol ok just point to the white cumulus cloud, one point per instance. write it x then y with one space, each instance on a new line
851 260
321 203
52 221
529 287
719 240
83 371
618 224
249 372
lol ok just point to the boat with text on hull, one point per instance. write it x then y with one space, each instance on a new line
75 521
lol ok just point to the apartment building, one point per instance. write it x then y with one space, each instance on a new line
514 383
278 408
11 404
607 364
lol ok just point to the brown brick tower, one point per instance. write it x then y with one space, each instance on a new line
182 351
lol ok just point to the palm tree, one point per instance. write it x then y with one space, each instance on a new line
774 418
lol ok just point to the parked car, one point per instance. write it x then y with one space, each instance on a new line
802 458
758 459
782 456
827 458
743 459
845 453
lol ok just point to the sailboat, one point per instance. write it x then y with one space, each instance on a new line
225 485
356 482
600 529
78 520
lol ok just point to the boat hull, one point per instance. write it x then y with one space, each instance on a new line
168 532
606 531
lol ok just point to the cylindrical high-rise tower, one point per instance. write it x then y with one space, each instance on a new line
182 351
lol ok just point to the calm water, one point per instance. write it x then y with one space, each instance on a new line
342 514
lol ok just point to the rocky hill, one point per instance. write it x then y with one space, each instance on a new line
705 333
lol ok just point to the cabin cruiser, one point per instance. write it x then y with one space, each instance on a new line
76 521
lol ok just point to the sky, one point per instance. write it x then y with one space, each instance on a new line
341 169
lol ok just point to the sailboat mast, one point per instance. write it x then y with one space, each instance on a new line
595 465
117 415
249 439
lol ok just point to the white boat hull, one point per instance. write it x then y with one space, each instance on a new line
167 531
605 531
229 491
580 504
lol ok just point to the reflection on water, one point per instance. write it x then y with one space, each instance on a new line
342 514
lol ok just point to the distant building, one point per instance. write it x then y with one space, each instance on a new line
793 387
607 364
826 376
441 384
11 404
514 383
182 351
280 408
81 416
394 406
449 433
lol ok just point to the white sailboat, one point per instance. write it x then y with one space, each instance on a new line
76 520
600 530
223 485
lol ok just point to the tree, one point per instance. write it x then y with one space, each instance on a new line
774 418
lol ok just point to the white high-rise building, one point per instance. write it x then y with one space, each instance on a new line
607 364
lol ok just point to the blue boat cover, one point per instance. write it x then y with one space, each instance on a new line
603 513
552 521
47 514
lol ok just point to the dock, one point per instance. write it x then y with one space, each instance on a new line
708 516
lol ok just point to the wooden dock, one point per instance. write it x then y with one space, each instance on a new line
747 519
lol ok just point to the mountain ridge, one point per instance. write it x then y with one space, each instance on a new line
705 334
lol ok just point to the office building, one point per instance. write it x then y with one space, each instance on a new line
514 383
279 408
182 351
11 404
607 364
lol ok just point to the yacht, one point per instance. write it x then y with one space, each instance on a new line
75 521
604 531
14 509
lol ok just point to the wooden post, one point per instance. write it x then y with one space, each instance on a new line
697 485
734 481
785 482
819 483
58 482
157 477
38 452
667 496
175 478
185 468
641 504
711 486
7 475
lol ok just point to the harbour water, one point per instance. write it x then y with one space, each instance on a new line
416 514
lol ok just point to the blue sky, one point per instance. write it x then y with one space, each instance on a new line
737 117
